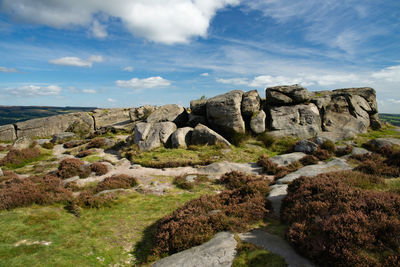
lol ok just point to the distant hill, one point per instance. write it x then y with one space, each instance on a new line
391 118
13 114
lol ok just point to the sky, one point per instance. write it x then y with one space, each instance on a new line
128 53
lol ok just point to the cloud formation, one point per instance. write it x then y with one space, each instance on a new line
4 69
89 91
77 62
390 74
128 69
164 21
147 83
35 90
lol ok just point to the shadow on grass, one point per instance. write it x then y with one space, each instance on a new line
143 249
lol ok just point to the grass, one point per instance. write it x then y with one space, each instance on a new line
100 237
387 131
252 255
44 155
92 158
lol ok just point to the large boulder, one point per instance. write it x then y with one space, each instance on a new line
22 143
287 94
219 251
196 119
202 135
172 113
7 133
141 113
198 107
149 136
224 113
80 123
257 122
108 117
182 137
305 146
301 121
251 103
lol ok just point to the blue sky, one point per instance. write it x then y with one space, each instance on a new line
125 53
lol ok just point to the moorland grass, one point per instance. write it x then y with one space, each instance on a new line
251 255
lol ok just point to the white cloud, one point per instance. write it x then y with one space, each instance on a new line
128 69
205 74
76 61
98 30
390 74
151 82
164 21
235 81
89 91
34 90
111 100
4 69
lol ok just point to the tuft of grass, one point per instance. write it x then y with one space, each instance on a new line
267 139
251 255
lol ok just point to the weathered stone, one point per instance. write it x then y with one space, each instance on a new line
224 113
381 142
62 137
219 251
198 107
338 135
196 119
181 137
1 173
108 117
141 113
305 146
251 102
288 94
301 121
7 133
276 195
219 168
153 135
48 126
202 135
287 159
171 113
375 122
359 151
141 131
22 143
367 93
257 122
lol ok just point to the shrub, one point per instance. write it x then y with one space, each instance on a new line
267 139
87 199
73 143
329 146
239 139
116 182
48 145
272 168
344 151
198 220
96 143
72 167
394 159
309 160
84 153
99 168
33 190
181 182
335 223
322 154
20 157
373 163
8 175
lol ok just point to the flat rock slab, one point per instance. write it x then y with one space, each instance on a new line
314 170
219 251
287 159
276 245
276 195
219 168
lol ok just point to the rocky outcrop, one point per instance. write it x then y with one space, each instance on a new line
224 113
172 113
251 103
152 135
182 137
202 135
287 95
7 133
301 121
80 123
257 122
141 113
108 117
198 107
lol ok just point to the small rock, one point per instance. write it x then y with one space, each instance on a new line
1 173
62 137
287 159
359 151
22 143
305 146
190 178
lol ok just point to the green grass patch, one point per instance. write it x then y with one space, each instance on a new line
92 158
385 132
44 155
252 255
99 237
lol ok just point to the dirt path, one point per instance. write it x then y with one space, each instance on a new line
276 245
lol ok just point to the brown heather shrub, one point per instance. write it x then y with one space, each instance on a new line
48 145
394 159
180 181
198 220
386 151
336 223
88 199
33 190
343 151
322 154
20 156
84 153
373 163
329 146
96 143
73 143
72 167
309 160
272 168
8 175
99 168
116 182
